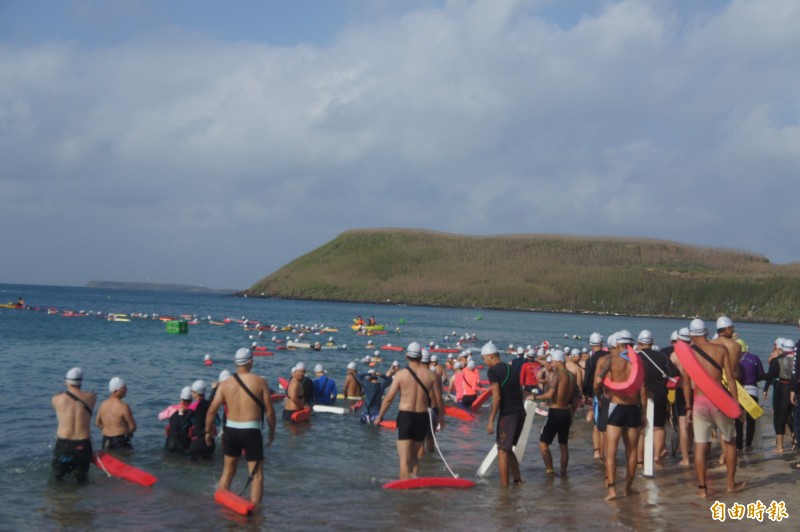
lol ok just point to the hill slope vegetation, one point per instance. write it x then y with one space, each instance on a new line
540 272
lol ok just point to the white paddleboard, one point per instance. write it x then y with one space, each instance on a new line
648 440
330 409
519 449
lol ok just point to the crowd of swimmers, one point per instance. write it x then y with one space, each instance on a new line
567 378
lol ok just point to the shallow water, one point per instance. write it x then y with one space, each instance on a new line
327 474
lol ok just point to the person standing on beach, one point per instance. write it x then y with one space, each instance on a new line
780 373
726 336
656 371
704 415
115 419
418 395
625 417
73 449
248 401
599 411
560 390
507 401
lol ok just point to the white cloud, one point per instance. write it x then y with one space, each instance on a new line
218 162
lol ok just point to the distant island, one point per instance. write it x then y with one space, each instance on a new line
598 275
166 287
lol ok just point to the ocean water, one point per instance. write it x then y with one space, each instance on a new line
325 475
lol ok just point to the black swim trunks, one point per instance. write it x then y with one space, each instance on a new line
413 426
559 420
117 443
234 440
467 400
661 405
625 416
509 428
72 456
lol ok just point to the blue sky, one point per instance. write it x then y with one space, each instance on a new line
213 142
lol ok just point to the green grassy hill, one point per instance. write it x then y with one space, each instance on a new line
540 272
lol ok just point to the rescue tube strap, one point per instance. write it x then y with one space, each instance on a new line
75 397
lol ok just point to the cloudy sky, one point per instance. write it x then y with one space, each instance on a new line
213 142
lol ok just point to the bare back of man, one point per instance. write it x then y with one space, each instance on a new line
734 352
73 419
114 418
351 387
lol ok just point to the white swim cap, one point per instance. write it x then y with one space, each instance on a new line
224 374
723 322
115 384
489 349
414 350
612 340
520 351
255 344
395 363
697 327
595 339
471 364
645 337
207 357
74 376
199 386
557 355
788 346
243 356
426 356
624 337
434 358
186 393
457 365
351 365
674 336
574 353
376 353
683 334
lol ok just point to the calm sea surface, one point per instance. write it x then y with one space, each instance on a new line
326 474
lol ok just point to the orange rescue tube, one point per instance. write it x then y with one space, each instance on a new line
230 500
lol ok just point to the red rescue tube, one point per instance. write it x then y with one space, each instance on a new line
301 415
117 468
458 413
388 424
633 383
230 500
477 403
262 353
429 482
284 383
391 348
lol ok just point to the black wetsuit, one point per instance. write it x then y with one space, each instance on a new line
780 372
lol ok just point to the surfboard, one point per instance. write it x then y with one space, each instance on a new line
429 482
458 413
114 467
230 500
633 383
519 449
330 409
649 462
477 403
710 387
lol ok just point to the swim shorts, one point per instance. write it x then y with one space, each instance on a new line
72 456
467 400
601 413
558 422
114 443
625 416
412 426
705 416
661 407
234 440
509 427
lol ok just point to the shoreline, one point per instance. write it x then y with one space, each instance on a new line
245 295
